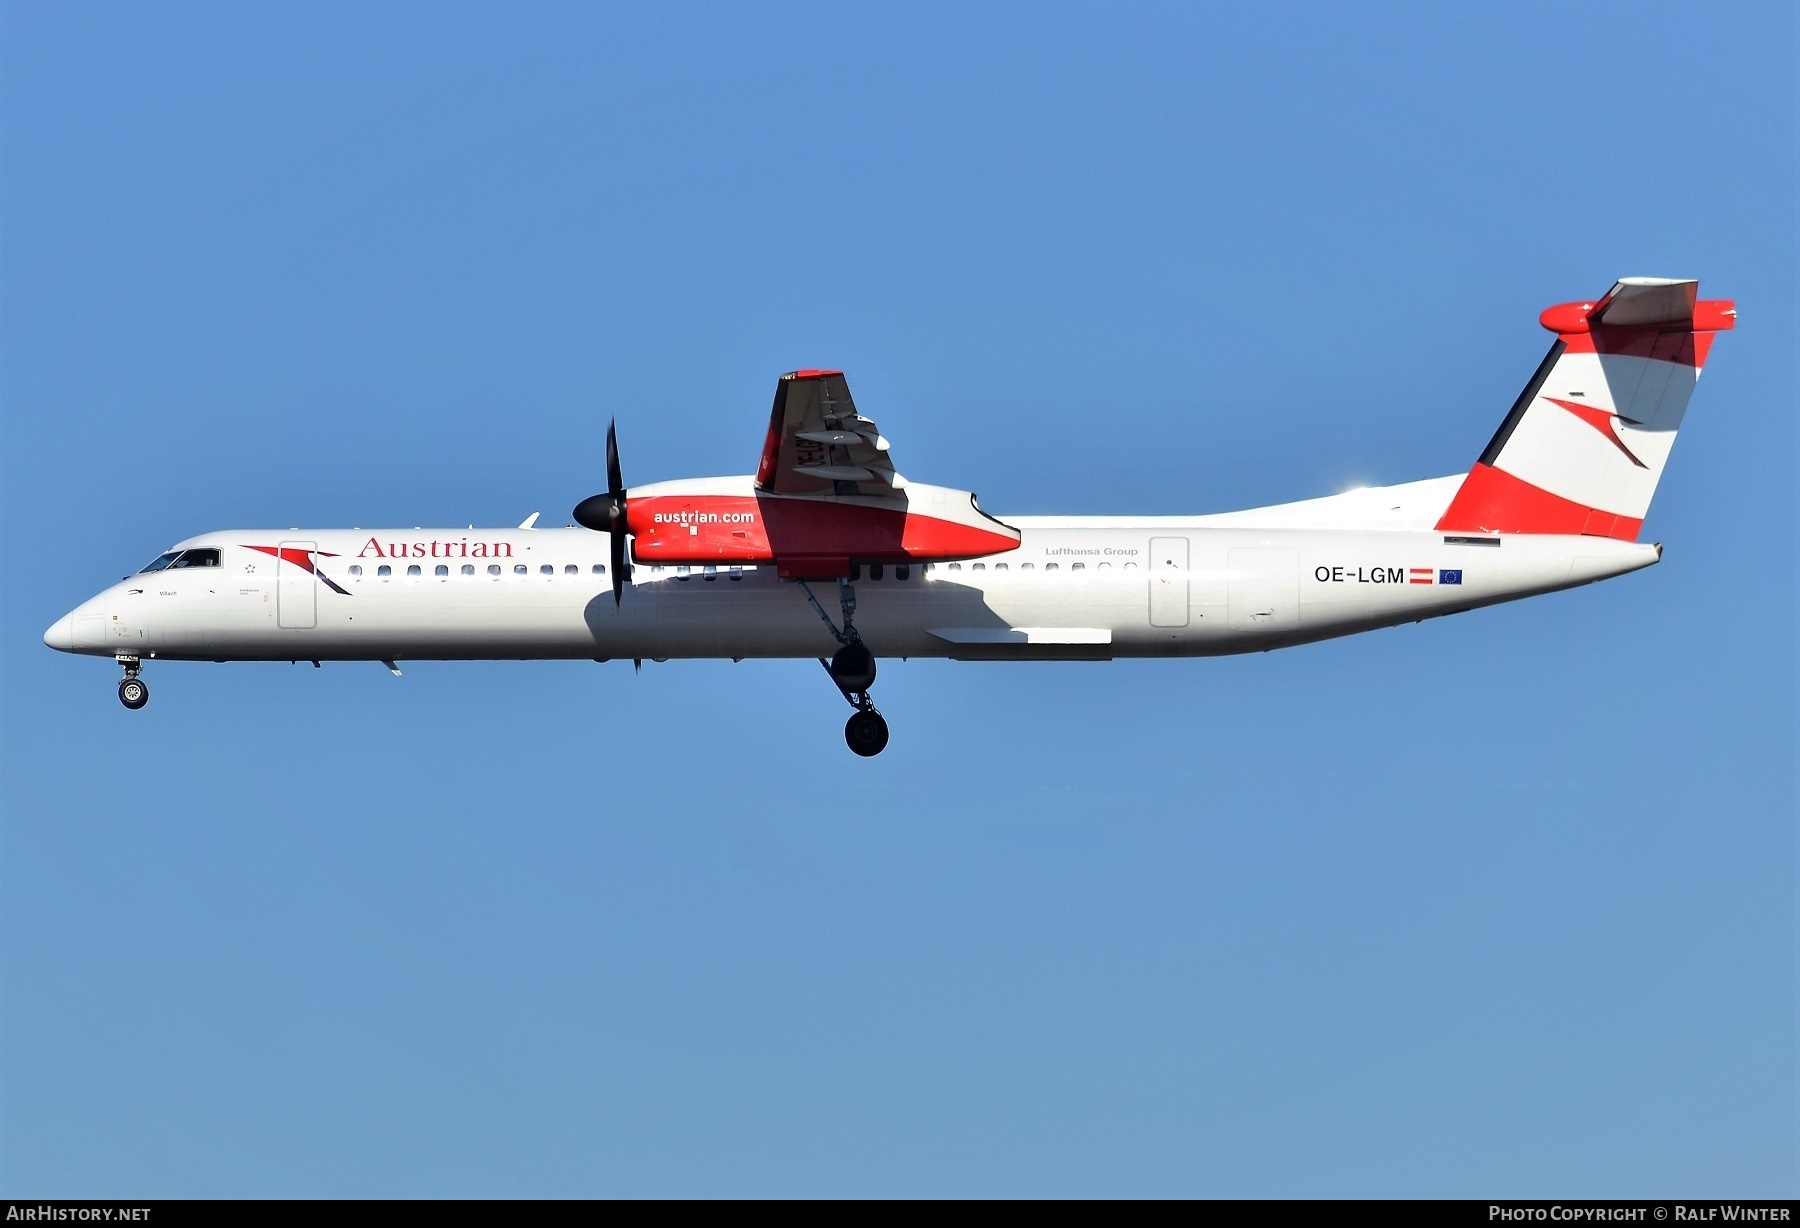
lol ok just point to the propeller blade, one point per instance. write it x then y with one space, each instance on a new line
606 513
615 486
619 564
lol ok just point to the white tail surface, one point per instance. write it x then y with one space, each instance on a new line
1585 443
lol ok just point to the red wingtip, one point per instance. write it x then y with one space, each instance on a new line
810 373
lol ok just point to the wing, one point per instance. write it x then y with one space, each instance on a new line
819 444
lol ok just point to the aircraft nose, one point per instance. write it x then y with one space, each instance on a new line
61 635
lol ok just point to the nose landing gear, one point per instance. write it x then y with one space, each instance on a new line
133 692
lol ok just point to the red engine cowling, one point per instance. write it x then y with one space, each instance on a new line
810 536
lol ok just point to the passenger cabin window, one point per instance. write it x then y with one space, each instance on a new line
413 570
384 570
571 570
1047 566
1024 566
1000 566
440 570
874 571
599 569
468 569
356 569
1105 566
977 566
1077 566
493 569
902 571
519 569
958 566
548 569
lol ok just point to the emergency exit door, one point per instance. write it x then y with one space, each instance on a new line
1168 581
296 590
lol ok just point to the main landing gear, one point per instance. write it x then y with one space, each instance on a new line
133 692
852 670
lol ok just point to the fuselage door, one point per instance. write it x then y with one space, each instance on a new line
296 591
1168 581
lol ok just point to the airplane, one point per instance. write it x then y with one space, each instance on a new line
826 552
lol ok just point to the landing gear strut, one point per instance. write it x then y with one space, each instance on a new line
852 670
133 693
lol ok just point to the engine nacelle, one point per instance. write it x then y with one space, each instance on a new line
727 520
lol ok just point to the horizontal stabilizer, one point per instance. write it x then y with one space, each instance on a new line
1648 300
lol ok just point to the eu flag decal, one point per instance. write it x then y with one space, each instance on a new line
1449 577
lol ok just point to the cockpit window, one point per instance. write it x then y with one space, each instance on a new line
177 560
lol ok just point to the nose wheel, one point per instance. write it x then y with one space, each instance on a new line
133 692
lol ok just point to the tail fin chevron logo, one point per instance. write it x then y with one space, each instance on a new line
1602 421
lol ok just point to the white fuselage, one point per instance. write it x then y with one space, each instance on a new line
1075 588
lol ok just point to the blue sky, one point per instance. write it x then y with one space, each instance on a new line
1501 904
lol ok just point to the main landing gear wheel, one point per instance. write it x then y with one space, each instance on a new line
134 695
866 732
853 668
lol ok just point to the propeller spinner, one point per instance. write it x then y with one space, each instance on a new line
606 513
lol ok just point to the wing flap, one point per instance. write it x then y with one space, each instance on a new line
818 444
